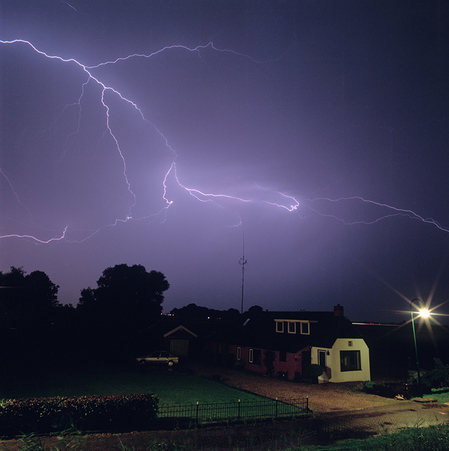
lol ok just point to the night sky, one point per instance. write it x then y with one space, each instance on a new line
170 133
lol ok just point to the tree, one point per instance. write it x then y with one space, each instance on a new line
127 300
42 290
28 315
27 298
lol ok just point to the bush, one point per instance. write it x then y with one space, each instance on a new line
106 413
438 377
268 361
374 388
313 372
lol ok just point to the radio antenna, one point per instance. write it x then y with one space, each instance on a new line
242 262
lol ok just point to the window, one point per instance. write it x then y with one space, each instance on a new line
292 328
282 356
350 361
239 353
255 356
305 329
280 327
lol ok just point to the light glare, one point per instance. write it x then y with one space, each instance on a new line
424 313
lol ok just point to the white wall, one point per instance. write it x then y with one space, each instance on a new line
333 373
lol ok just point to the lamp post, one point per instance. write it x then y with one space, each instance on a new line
423 313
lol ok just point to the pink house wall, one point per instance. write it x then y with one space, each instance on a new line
292 366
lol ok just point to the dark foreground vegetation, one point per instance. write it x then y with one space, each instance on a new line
245 437
87 413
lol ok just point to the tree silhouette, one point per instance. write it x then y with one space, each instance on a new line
127 300
28 316
27 299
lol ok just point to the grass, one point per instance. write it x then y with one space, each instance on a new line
181 396
170 388
435 438
441 395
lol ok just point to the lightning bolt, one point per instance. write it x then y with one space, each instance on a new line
268 197
391 212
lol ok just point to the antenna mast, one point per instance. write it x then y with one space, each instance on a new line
242 262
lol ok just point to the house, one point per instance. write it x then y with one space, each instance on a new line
287 343
180 341
183 338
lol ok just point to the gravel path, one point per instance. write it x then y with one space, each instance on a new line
341 408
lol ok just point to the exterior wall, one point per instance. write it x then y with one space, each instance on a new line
333 371
244 357
291 367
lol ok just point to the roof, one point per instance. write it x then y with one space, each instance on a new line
325 329
180 331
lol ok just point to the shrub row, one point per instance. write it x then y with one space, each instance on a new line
85 413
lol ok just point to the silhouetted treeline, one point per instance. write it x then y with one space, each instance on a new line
127 300
114 322
35 329
34 326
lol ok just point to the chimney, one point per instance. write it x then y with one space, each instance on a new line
338 310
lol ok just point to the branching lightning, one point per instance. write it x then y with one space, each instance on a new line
283 201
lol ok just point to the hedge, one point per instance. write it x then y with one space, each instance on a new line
85 413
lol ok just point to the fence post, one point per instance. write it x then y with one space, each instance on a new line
197 411
238 410
276 407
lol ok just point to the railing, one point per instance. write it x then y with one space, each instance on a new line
203 412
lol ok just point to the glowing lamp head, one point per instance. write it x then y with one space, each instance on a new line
424 313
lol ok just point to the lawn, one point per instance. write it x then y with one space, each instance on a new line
435 438
182 397
441 395
170 387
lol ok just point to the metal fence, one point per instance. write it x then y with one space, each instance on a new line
203 412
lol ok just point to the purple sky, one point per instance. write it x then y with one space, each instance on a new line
318 130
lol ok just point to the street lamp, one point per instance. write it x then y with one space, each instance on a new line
423 313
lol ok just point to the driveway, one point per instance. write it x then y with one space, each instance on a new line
323 398
339 407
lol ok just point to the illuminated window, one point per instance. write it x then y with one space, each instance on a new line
350 361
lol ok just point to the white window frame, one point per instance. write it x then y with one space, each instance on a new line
239 353
280 327
303 329
251 356
293 324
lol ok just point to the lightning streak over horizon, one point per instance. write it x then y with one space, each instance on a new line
265 196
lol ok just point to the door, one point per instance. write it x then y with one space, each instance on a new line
180 347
